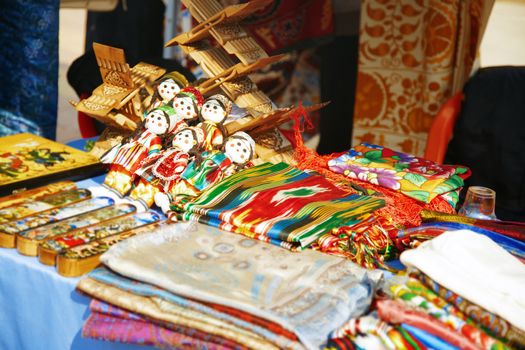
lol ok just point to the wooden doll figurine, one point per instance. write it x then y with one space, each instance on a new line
187 104
167 87
213 113
212 167
145 141
160 172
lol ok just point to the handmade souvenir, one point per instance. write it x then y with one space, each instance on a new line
144 142
162 171
169 85
279 204
119 102
207 170
9 230
213 113
27 241
31 207
50 248
309 293
36 193
187 104
78 260
27 161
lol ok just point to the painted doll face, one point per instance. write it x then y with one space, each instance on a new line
185 107
156 122
168 89
213 111
184 140
237 150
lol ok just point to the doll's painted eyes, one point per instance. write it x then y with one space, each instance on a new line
189 108
238 143
245 150
215 107
181 102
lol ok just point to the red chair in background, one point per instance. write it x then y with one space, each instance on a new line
86 124
442 129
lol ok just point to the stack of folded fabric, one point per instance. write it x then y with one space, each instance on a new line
463 292
415 177
280 204
193 286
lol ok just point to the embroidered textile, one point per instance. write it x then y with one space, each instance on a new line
310 293
415 177
279 203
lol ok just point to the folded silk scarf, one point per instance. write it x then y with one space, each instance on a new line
395 312
510 229
415 177
266 329
127 329
281 203
162 312
412 237
416 295
489 321
477 269
309 292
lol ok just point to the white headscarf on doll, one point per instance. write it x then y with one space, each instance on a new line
240 148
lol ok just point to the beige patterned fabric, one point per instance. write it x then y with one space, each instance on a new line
413 55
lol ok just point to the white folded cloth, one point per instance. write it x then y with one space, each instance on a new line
477 269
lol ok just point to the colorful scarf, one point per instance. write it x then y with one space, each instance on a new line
511 229
489 321
280 203
413 237
162 312
415 177
111 323
416 295
477 269
309 293
271 331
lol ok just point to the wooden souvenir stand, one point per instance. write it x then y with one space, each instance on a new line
118 102
226 52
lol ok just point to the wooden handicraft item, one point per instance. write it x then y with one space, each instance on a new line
31 206
49 249
27 242
36 193
78 260
9 230
117 102
27 161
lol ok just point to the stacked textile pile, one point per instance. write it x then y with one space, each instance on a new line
193 286
463 291
280 204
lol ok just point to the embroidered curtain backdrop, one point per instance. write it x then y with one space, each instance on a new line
413 55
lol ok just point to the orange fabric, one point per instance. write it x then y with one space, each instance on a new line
442 128
413 56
